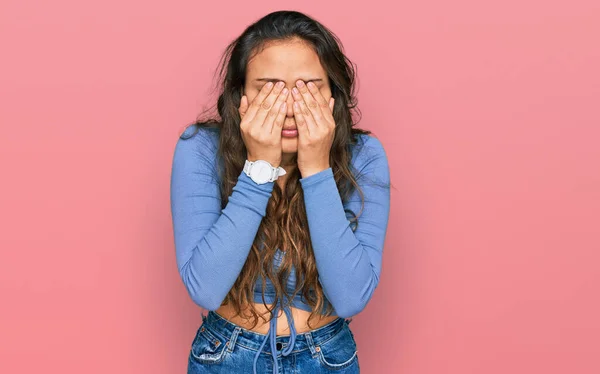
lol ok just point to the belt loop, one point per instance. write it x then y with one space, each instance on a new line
311 344
233 339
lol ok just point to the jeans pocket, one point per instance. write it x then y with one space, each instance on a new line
339 352
207 348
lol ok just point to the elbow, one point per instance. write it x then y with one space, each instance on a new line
351 300
353 303
201 294
350 308
205 301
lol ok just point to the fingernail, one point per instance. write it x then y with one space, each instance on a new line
269 84
295 90
296 106
279 84
311 85
300 84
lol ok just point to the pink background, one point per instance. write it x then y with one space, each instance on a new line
489 112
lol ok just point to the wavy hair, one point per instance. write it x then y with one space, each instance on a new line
285 225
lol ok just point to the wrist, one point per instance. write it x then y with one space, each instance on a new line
307 172
274 161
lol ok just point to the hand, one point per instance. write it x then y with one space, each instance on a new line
316 128
262 123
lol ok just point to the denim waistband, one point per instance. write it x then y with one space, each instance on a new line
253 340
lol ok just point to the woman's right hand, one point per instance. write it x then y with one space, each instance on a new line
262 122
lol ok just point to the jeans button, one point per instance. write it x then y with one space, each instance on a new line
278 346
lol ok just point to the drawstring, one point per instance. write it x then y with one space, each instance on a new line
292 342
272 334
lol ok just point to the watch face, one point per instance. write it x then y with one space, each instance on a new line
261 171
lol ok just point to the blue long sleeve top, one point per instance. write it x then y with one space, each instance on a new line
212 244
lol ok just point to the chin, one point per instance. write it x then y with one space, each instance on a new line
289 145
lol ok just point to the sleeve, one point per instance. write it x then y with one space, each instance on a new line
211 244
349 262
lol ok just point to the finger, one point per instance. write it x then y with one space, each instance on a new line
310 102
257 101
314 90
243 106
268 103
275 112
300 121
326 116
331 104
306 115
278 123
311 123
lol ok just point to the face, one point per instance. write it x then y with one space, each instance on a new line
287 62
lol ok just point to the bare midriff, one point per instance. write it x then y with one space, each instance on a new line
300 319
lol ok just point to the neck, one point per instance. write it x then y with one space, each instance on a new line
287 160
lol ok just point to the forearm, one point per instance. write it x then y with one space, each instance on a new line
345 269
211 265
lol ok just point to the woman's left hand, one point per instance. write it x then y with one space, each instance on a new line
316 128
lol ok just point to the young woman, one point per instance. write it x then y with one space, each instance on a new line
280 206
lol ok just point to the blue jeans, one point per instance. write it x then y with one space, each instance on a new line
221 346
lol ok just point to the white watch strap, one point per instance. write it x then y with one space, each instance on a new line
276 172
247 165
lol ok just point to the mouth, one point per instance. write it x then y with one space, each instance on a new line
290 132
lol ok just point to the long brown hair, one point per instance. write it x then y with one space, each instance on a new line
285 225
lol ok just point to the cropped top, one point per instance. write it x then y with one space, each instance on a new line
212 244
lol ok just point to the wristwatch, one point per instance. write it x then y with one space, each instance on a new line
261 171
